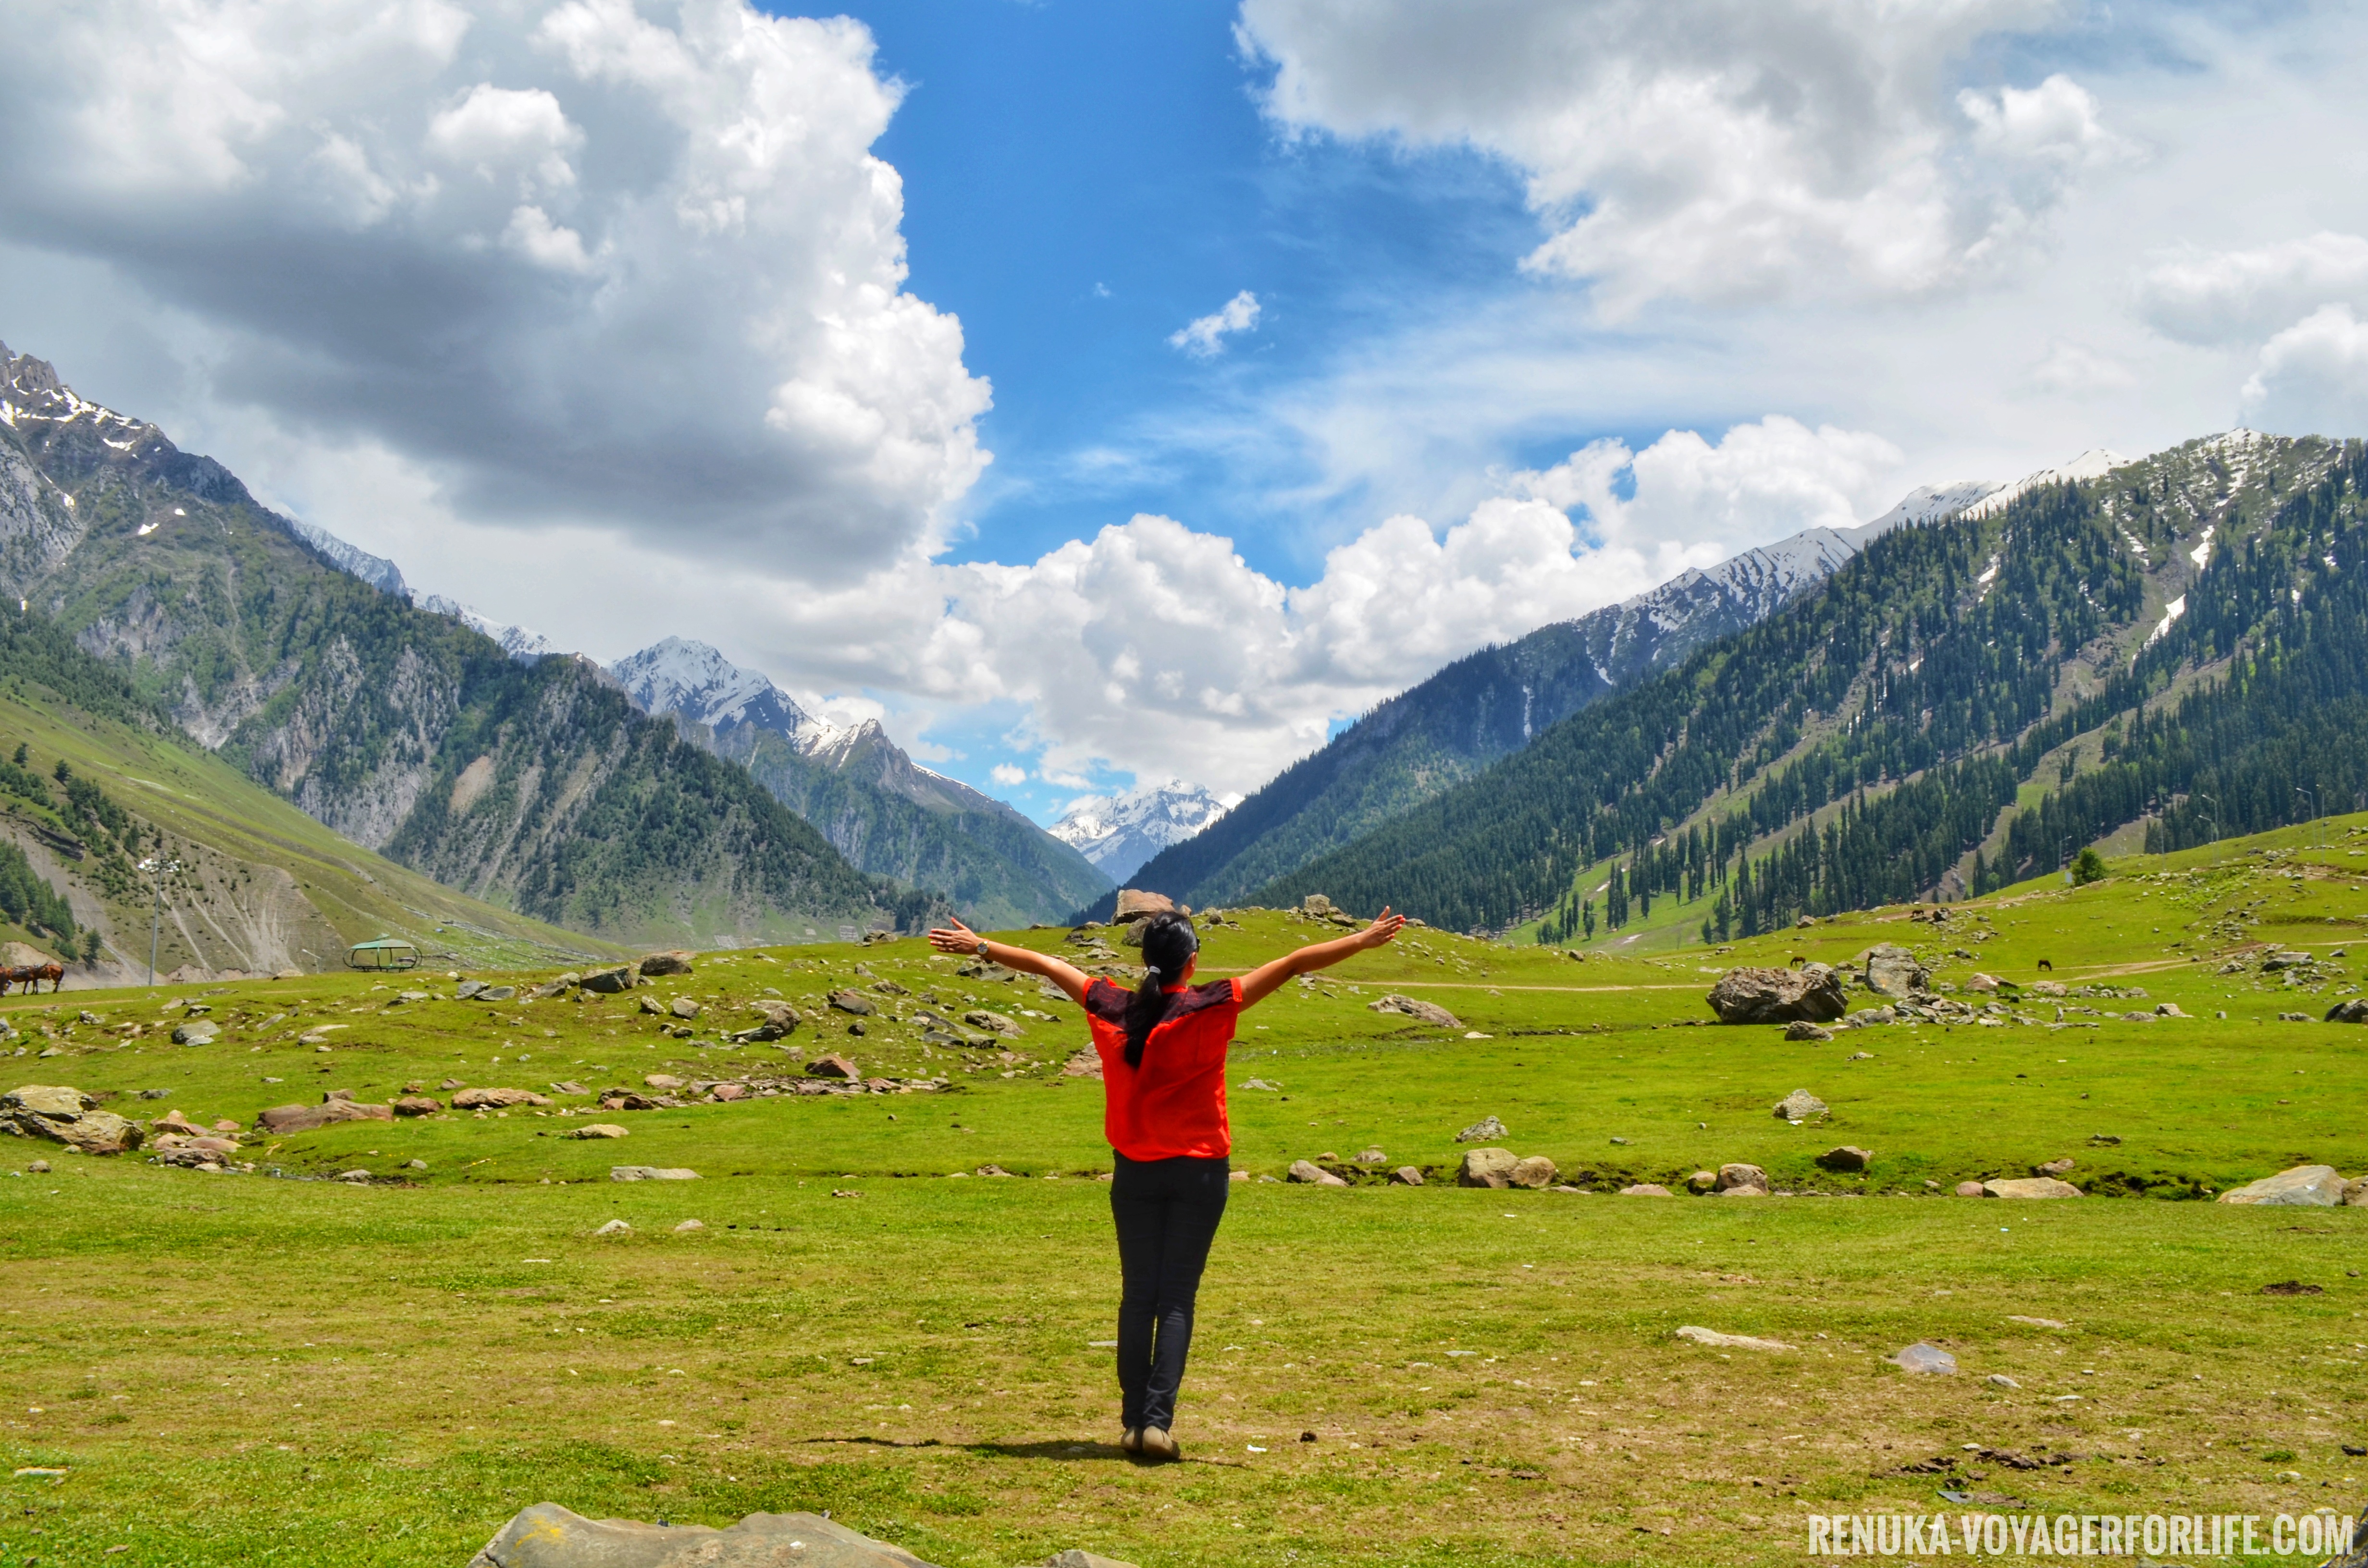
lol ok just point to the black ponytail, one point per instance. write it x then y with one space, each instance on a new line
1169 944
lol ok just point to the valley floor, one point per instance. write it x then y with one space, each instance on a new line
273 1367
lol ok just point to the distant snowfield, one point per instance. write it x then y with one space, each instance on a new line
1119 833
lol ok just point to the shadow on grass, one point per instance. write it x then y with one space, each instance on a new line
1057 1450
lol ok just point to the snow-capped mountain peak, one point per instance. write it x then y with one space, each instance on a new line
693 681
520 642
1119 833
2095 464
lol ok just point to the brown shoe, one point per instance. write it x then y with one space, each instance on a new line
1132 1440
1158 1445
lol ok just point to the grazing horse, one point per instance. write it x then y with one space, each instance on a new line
2046 965
30 976
1798 959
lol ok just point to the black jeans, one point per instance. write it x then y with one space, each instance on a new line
1167 1212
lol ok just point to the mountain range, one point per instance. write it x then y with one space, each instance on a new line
1119 833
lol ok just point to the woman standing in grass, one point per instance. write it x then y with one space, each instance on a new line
1163 1053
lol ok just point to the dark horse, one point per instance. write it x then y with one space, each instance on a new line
30 976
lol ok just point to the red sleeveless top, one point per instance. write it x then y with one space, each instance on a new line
1175 1103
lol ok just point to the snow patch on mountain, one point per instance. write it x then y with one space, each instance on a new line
520 644
1119 833
2094 463
694 681
354 562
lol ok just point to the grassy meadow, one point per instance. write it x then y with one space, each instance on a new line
274 1368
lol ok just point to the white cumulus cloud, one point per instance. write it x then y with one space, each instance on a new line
628 264
1725 151
2313 377
2218 297
1204 335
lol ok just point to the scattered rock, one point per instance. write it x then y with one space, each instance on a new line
1537 1173
494 994
2355 1192
684 1007
2001 1380
417 1105
197 1031
450 1083
1893 971
664 1082
652 1006
2304 1186
1405 1175
467 989
1802 1029
2045 988
2055 1167
38 1167
548 1536
1753 995
2167 1010
1089 1064
979 1017
2353 1012
287 1119
1647 1190
1486 1167
833 1066
2282 1018
780 1021
2034 1323
355 1175
1718 1341
1970 1189
625 1099
675 961
1749 1181
854 1002
1486 1126
1922 1358
651 1172
1702 1181
1799 1105
688 1226
598 1129
496 1099
1415 1007
611 982
1313 1175
1979 982
2030 1187
613 1228
1077 1558
1373 1157
1849 1157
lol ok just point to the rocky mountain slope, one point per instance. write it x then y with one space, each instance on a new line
2181 642
884 812
1494 702
533 786
1119 833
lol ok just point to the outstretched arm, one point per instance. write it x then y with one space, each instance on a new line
1266 979
961 938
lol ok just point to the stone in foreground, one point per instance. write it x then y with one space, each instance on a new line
1718 1341
1750 996
1922 1358
65 1115
2304 1186
2028 1187
548 1536
1415 1007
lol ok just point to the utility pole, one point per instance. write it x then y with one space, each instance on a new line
157 869
2312 801
2216 816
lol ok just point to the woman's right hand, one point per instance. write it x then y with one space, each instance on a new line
956 938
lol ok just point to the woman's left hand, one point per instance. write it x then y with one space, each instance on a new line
1382 930
958 938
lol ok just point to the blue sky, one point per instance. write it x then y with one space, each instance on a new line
588 316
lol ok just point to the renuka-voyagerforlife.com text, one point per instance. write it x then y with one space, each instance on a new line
2320 1534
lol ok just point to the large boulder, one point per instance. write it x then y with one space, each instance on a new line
2355 1011
1753 995
67 1116
197 1031
287 1119
1537 1173
674 962
1741 1177
780 1020
1893 971
548 1536
2030 1187
1134 904
1799 1105
1486 1167
611 982
980 1018
854 1002
1849 1157
2304 1186
1415 1007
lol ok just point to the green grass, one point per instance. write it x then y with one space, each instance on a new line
239 1369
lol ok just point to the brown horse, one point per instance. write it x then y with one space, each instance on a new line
30 976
